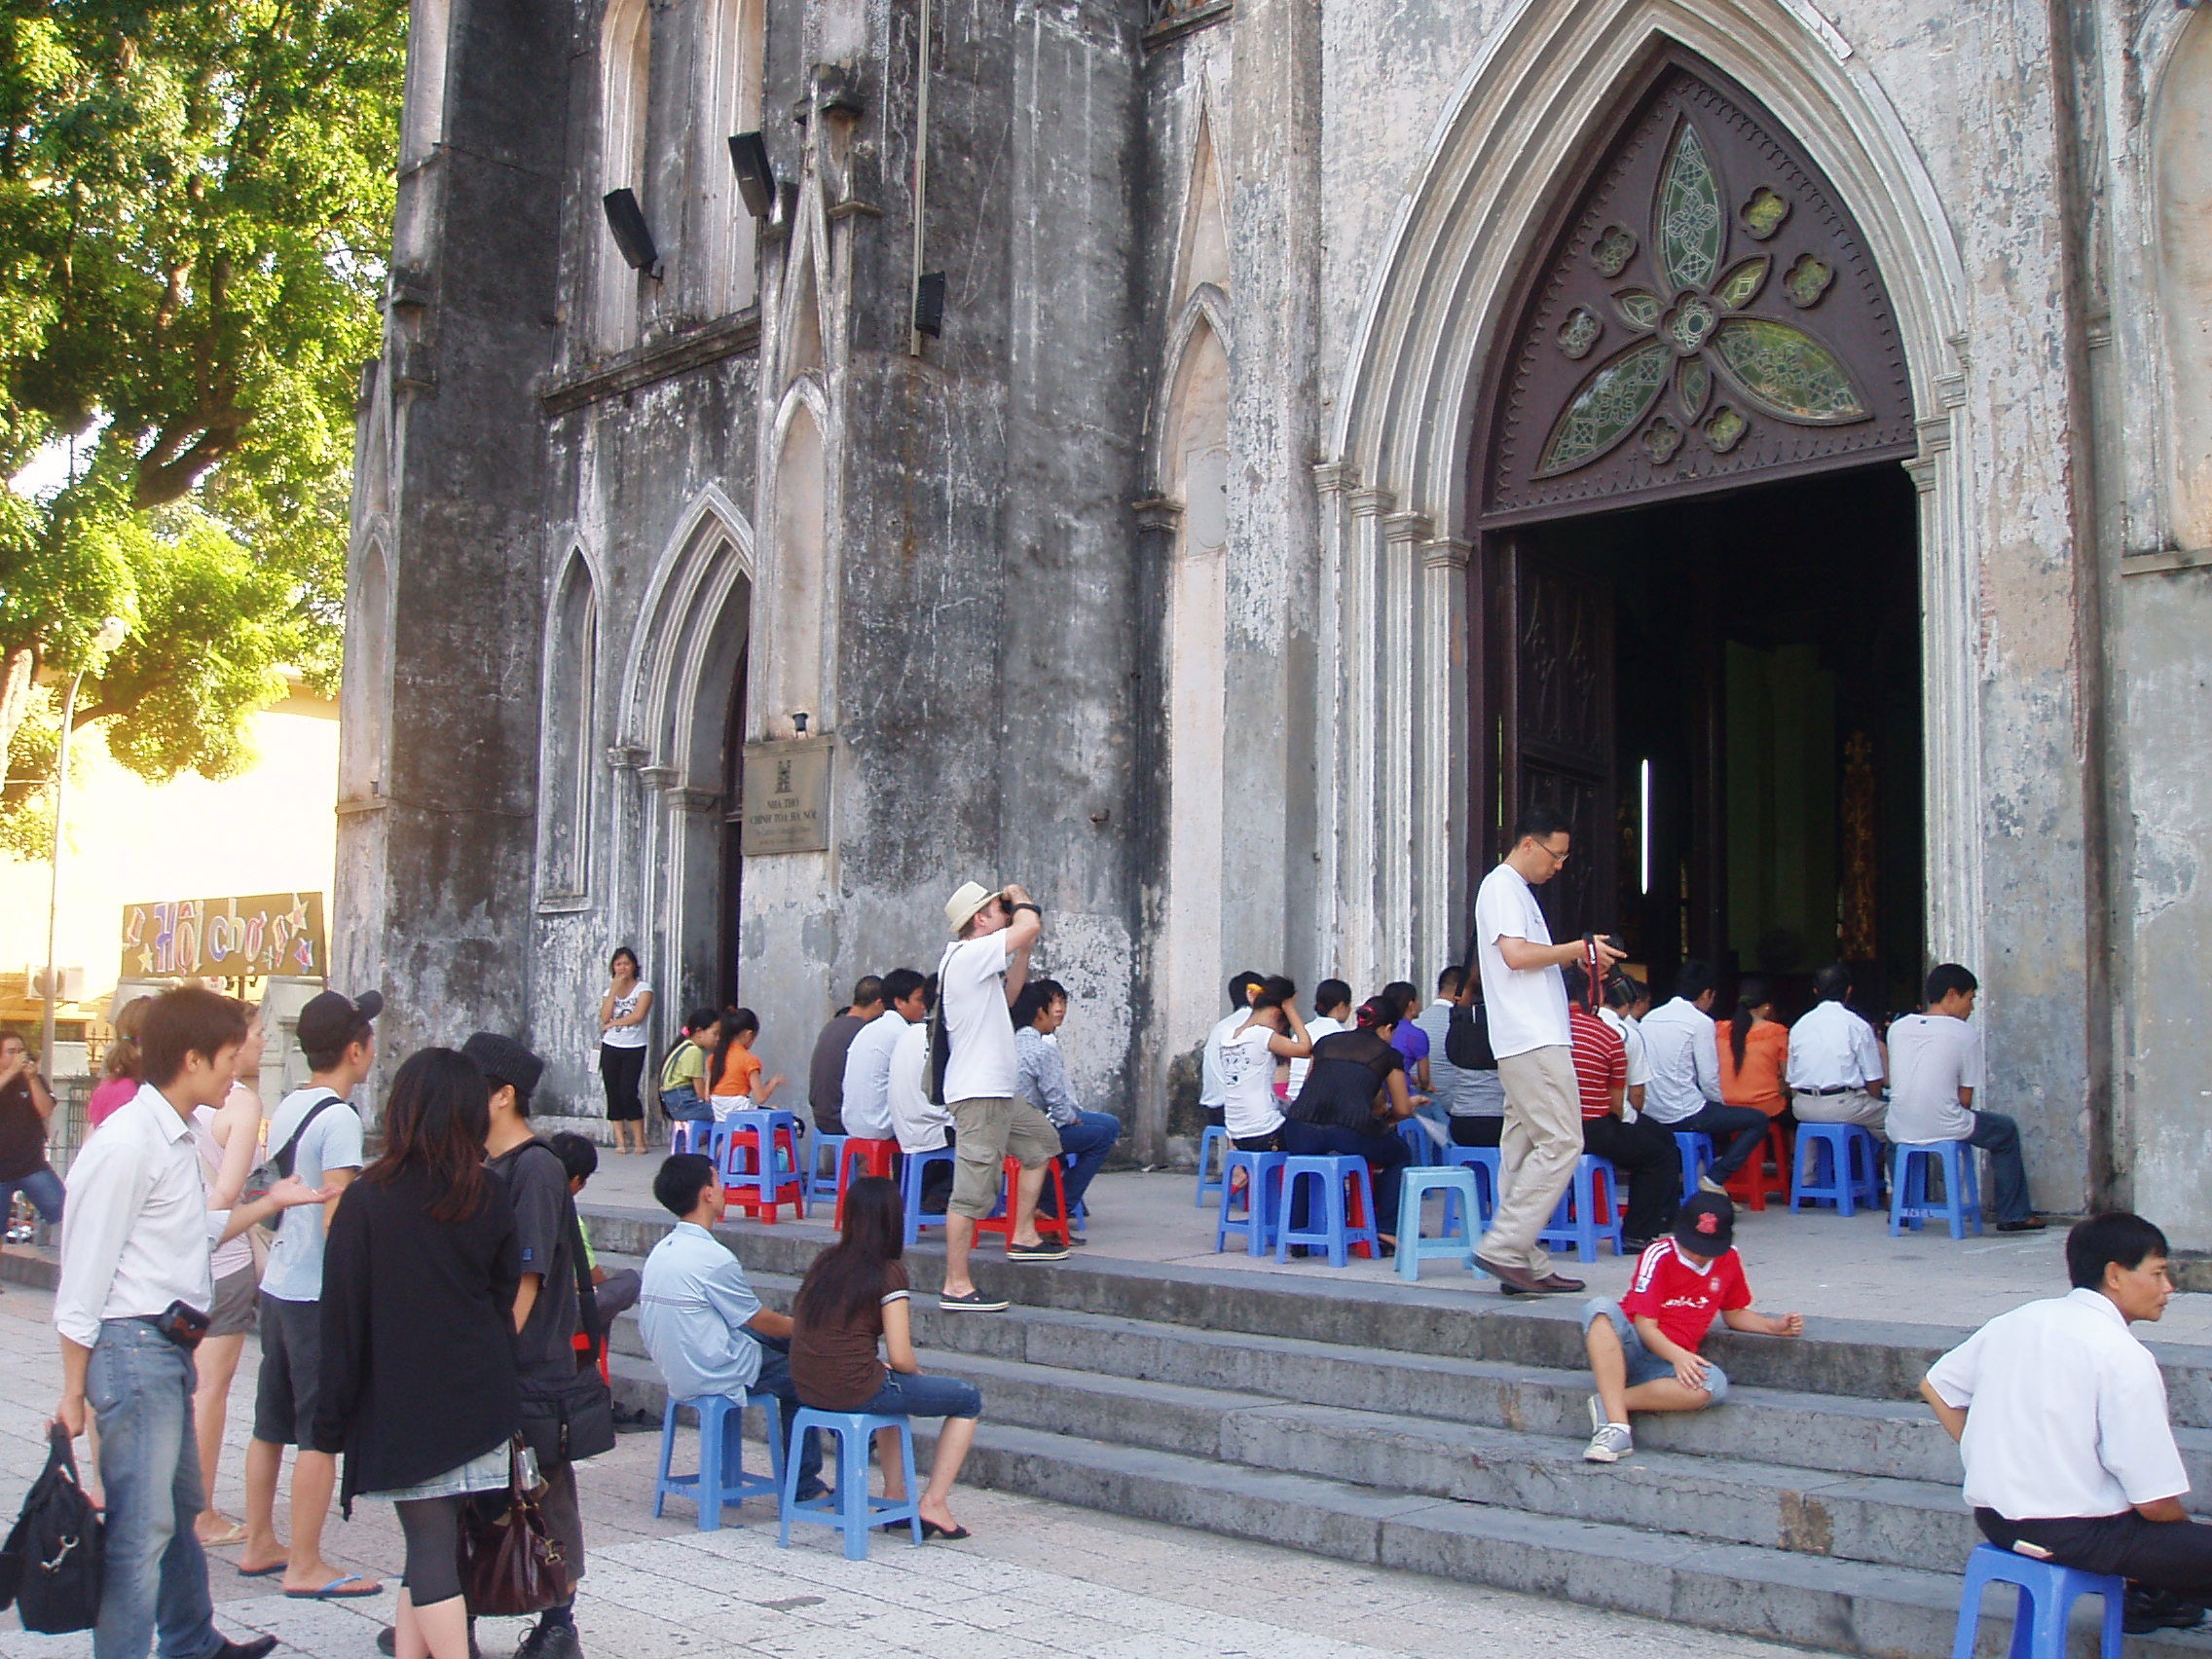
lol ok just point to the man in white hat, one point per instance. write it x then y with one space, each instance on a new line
984 971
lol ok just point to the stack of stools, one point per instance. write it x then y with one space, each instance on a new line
1853 1167
1261 1196
758 1155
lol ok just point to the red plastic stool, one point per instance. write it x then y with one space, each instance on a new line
1002 1222
874 1157
1752 1185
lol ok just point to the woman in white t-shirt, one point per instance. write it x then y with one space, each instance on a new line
622 1014
1250 1109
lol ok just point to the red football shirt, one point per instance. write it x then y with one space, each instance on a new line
1683 1298
1601 1061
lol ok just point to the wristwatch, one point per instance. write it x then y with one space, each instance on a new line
1027 905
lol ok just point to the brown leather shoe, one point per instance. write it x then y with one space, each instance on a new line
1561 1284
1513 1281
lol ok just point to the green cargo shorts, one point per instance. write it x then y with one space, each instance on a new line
986 1133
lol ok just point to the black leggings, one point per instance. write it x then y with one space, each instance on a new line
431 1527
620 1069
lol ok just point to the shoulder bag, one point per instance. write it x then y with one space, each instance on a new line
50 1564
510 1563
271 1171
1467 1039
941 1039
574 1419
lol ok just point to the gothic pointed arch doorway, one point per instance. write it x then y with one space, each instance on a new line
1696 570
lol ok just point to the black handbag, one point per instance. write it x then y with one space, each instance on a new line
51 1565
568 1422
1467 1039
509 1562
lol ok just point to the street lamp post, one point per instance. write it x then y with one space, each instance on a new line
111 635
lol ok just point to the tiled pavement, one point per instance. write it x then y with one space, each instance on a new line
1038 1579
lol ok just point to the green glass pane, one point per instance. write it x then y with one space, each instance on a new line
1693 384
1605 407
1687 220
1742 286
1611 252
1786 371
1640 307
1726 429
1764 212
1579 332
1808 279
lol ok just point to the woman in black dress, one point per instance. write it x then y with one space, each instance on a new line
419 1284
1355 1097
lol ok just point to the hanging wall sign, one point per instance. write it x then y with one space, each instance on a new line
787 796
225 939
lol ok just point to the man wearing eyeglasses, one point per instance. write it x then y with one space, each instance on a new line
1528 1033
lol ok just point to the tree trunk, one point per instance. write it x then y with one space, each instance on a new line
16 670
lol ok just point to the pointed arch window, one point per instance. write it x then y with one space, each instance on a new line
796 680
365 688
625 85
567 737
732 50
1706 308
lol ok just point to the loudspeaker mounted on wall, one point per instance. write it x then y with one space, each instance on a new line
627 220
928 305
756 175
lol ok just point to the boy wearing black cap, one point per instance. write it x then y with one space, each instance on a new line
315 1133
1644 1347
548 1312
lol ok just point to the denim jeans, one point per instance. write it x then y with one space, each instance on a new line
1385 1153
905 1394
1998 1137
683 1105
1737 1133
140 1385
776 1379
42 1186
1089 1139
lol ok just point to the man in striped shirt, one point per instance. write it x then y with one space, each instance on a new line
1643 1152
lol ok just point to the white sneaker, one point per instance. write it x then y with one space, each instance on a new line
1609 1445
1707 1184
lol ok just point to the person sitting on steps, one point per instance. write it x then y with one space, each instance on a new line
1644 1347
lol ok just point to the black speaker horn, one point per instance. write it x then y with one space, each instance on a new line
756 175
928 305
627 220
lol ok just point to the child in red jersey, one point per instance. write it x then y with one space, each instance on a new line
1644 1347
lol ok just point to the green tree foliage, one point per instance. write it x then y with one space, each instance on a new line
195 196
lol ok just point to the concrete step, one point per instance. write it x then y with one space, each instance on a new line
1444 1315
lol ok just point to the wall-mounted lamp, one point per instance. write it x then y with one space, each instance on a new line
627 220
755 173
928 305
798 723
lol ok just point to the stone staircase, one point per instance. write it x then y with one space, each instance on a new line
1420 1428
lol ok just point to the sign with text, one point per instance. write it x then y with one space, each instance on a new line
225 939
787 796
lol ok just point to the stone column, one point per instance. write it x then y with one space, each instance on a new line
1362 739
1399 730
1158 523
1334 483
1442 807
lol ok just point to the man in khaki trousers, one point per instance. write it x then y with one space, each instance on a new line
1526 1006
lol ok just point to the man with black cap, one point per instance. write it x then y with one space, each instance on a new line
314 1133
548 1311
1644 1347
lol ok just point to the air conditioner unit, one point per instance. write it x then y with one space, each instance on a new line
72 983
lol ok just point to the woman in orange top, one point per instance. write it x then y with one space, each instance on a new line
737 1068
1754 1052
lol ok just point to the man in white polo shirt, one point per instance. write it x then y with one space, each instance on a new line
1527 1004
2060 1415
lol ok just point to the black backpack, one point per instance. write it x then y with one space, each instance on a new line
1467 1039
51 1567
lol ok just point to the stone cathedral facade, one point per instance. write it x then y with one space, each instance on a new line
1775 431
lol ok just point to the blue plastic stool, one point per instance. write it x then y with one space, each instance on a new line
1580 1219
2047 1594
1214 1136
722 1478
1333 1228
1852 1180
1910 1204
1485 1163
850 1507
910 1189
768 1175
1695 1148
689 1134
1261 1196
1427 1155
1457 1235
819 1186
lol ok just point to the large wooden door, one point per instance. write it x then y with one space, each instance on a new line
1550 678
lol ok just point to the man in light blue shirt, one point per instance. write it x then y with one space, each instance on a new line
701 1324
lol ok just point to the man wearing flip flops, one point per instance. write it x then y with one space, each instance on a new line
984 971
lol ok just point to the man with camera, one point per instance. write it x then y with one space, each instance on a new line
26 1109
984 971
132 1304
1525 1000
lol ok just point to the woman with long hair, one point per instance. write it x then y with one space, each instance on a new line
856 1292
736 1071
228 1139
1754 1051
419 1285
622 1014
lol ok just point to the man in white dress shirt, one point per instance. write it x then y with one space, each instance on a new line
1684 1093
1835 1061
1527 1004
2060 1415
132 1303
